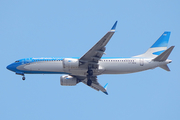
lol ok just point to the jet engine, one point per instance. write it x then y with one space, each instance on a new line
67 80
70 63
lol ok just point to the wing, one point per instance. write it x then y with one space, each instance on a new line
92 57
95 85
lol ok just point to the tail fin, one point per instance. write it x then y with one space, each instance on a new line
158 47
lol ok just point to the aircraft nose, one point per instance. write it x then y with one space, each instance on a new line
10 67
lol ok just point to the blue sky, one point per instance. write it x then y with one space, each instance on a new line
69 29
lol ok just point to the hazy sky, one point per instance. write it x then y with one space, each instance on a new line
59 28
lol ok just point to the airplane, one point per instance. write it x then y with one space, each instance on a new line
85 69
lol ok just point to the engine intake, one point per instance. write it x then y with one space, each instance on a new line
67 80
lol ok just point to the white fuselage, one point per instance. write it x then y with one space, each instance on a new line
106 66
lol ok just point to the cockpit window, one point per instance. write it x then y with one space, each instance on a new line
17 61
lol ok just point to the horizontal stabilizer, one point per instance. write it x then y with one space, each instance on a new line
165 67
163 56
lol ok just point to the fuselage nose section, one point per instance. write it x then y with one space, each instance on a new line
11 67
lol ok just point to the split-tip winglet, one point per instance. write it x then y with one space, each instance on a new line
105 93
114 26
105 87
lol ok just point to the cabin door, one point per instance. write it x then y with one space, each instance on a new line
141 62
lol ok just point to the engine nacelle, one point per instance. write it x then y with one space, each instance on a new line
70 63
67 80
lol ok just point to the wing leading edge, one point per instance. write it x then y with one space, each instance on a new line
96 52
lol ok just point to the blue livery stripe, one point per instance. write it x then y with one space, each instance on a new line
159 52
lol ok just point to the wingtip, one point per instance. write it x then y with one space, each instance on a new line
105 93
114 26
105 87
